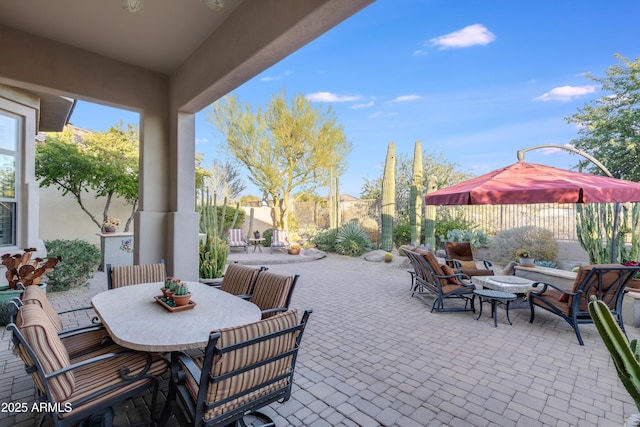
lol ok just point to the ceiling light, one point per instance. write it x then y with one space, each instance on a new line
132 5
213 4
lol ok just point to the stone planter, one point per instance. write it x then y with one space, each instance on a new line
211 282
294 251
526 262
634 285
6 296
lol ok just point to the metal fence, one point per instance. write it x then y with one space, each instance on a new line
560 219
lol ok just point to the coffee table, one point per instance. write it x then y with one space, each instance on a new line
495 298
511 284
257 243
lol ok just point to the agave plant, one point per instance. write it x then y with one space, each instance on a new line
352 240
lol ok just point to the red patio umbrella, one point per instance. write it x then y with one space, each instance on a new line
528 183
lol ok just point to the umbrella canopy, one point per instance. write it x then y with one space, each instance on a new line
528 183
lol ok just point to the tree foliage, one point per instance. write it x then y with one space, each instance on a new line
446 172
285 146
224 179
609 127
105 162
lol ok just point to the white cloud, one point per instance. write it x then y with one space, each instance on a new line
331 97
274 78
405 98
379 114
565 93
471 35
201 140
420 52
364 105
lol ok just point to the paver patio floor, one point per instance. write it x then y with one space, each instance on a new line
374 356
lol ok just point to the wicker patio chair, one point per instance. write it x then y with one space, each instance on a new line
237 240
75 388
272 292
432 282
126 275
460 256
244 368
606 281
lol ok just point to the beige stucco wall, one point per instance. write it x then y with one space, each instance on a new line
62 218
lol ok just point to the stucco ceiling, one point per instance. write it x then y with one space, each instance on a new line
159 38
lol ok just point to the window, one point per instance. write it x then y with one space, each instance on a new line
9 135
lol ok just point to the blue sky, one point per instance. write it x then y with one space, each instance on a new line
472 80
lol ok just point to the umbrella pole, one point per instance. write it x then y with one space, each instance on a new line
614 245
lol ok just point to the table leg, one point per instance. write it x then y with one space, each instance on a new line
480 311
507 309
494 312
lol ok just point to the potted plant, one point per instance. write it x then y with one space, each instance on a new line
294 249
110 224
525 258
181 294
634 284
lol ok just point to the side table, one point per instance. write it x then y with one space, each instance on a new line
495 298
257 243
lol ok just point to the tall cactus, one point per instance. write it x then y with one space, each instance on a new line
250 232
625 356
415 197
430 215
388 207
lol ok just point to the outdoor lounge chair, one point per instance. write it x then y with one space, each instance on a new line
279 240
240 279
126 275
432 281
460 256
606 281
236 239
244 368
272 292
75 388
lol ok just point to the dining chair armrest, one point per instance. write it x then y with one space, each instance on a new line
189 367
549 285
274 310
75 309
245 296
81 330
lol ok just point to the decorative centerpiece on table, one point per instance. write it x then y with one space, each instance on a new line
256 234
175 295
524 258
110 224
634 284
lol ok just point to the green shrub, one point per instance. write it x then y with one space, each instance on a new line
539 242
402 232
352 240
229 213
477 238
268 235
326 241
80 259
545 263
450 219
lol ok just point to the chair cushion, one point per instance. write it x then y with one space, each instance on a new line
125 275
236 238
459 250
468 265
279 238
239 279
433 263
43 339
34 295
246 356
448 271
271 290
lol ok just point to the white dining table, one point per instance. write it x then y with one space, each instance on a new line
135 320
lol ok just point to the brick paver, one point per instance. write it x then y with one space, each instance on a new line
374 356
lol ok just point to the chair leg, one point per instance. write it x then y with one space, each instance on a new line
532 312
575 327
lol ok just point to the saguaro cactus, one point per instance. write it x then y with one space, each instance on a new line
415 197
625 356
388 207
430 215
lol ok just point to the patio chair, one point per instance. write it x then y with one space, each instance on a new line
606 281
240 279
75 388
272 292
279 240
460 256
243 369
126 275
236 239
432 281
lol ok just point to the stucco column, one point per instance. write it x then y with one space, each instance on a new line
182 242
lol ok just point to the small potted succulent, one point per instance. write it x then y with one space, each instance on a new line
110 224
524 257
181 294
